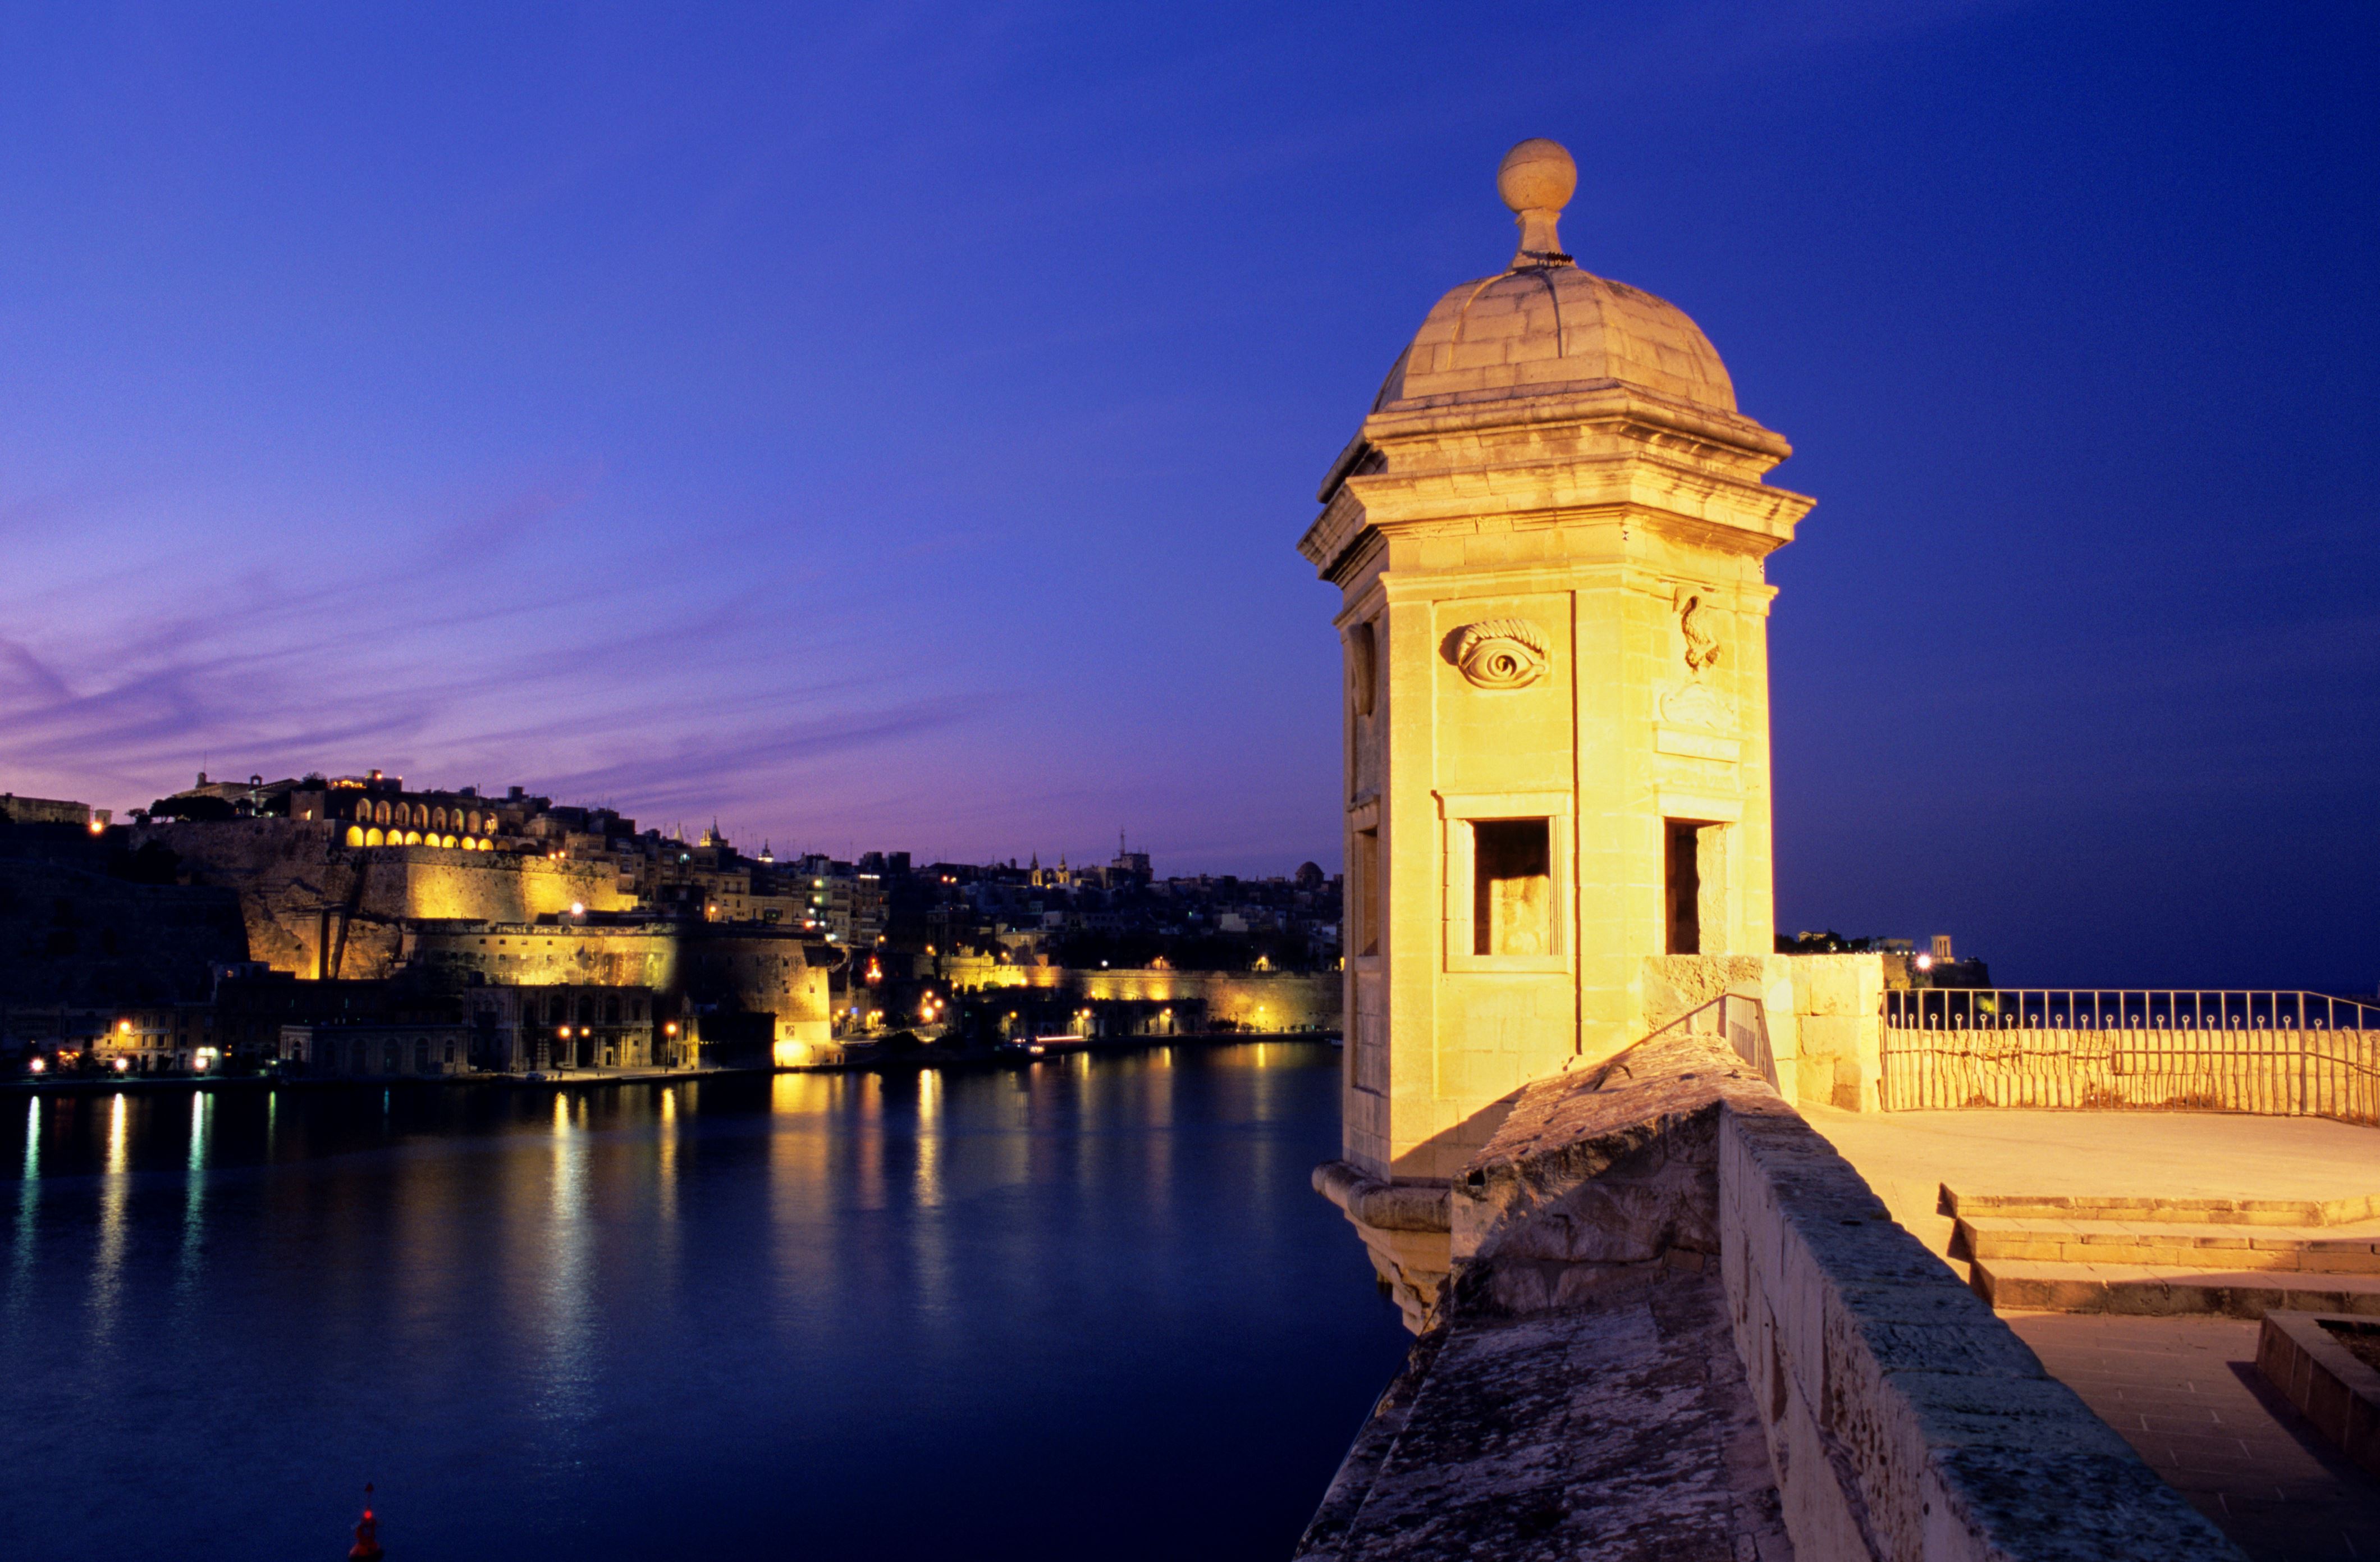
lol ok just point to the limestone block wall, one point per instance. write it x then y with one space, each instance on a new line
1839 1026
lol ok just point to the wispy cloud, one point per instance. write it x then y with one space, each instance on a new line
496 640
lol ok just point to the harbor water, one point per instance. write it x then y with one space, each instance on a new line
1086 1308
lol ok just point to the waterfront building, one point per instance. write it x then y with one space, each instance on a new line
15 810
159 1038
377 1050
363 900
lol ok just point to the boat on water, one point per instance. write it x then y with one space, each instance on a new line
1042 1046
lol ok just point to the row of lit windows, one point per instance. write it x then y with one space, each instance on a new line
358 836
423 817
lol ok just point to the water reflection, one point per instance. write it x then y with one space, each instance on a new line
115 1193
568 1367
929 1226
663 1321
929 1141
798 1170
194 1189
665 1172
20 1265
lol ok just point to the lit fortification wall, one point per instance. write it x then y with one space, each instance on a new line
1548 536
1250 1000
741 969
319 908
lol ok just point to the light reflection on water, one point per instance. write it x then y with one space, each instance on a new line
1066 1305
115 1190
20 1258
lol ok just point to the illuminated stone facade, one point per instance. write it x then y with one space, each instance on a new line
1548 536
317 906
1235 1000
739 969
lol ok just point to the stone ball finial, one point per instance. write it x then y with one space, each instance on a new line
1536 179
1537 175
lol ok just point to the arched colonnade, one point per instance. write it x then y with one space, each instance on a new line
378 821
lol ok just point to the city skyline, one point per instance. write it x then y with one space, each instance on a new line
715 419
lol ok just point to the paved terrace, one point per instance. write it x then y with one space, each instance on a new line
2182 1391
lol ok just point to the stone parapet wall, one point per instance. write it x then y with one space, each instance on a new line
1902 1419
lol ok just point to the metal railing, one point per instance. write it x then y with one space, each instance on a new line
1741 1020
2278 1053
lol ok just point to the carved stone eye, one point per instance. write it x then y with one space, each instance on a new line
1502 653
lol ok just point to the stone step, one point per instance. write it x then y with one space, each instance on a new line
2321 1250
2126 1206
2035 1286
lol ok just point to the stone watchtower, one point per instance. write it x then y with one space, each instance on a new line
1549 534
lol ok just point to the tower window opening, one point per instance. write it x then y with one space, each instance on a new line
1368 893
1694 880
1512 906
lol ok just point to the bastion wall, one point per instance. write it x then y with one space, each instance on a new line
316 907
1252 1000
738 969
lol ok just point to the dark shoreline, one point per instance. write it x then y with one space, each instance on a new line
83 1084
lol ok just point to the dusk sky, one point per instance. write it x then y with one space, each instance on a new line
891 426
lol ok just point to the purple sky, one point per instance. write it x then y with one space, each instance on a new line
892 425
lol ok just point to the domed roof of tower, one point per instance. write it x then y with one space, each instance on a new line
1542 325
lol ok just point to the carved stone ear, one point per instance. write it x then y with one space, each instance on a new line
1362 666
1703 649
1502 653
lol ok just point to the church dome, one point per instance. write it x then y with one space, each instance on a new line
1544 326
